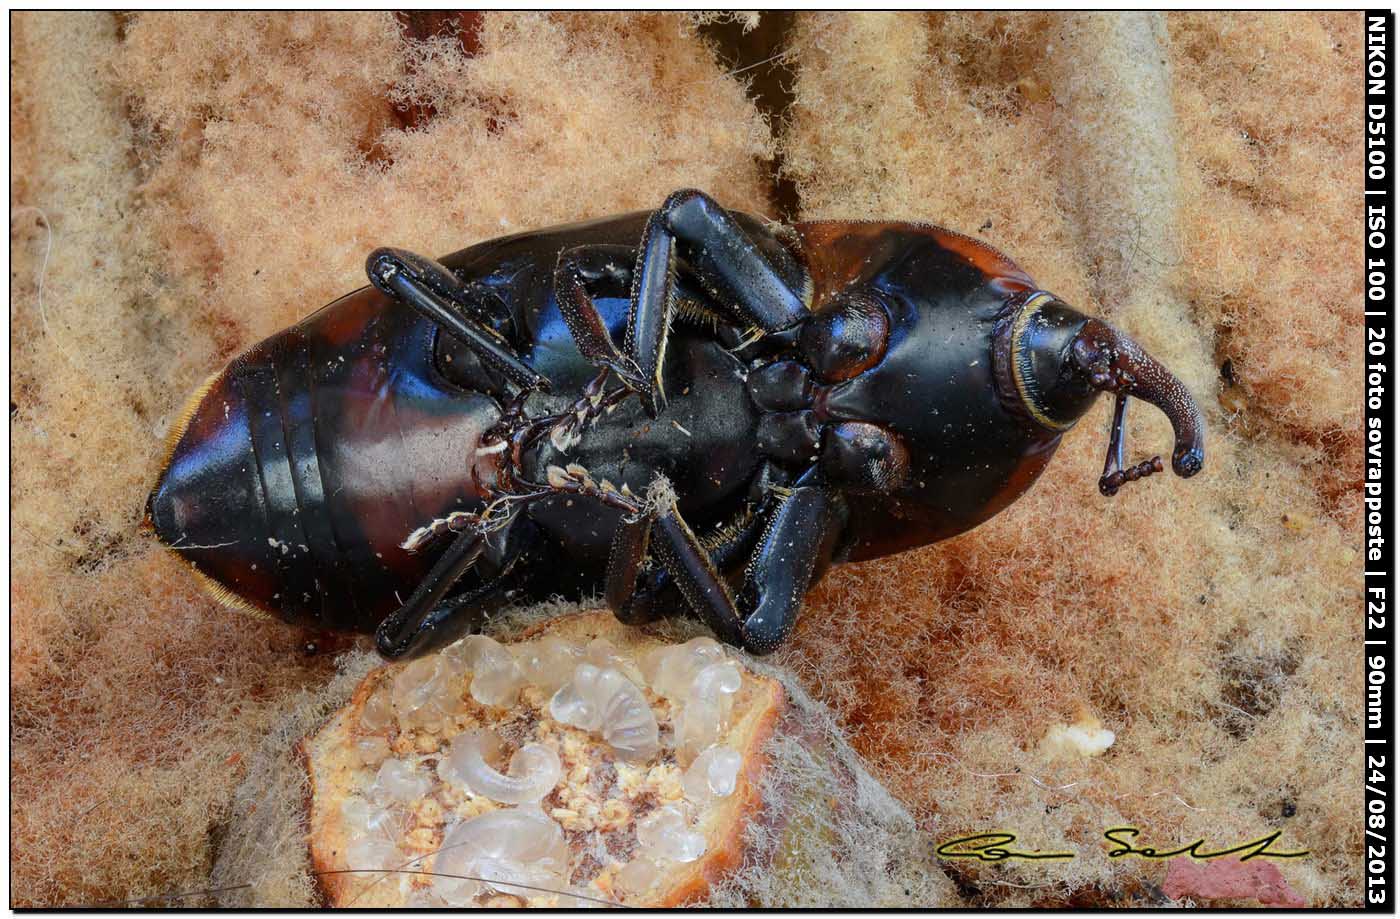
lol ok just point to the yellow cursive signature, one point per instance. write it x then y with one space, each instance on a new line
995 847
1256 848
990 847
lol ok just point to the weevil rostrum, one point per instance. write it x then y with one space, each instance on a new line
689 408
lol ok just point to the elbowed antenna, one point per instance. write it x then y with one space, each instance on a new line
1113 362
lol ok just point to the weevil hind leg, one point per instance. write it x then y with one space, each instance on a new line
460 614
430 619
433 290
419 624
692 569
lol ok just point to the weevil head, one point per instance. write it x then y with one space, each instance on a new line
937 413
1032 356
1053 362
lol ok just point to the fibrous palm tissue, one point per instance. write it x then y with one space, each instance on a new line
212 178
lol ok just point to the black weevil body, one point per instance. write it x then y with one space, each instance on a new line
687 406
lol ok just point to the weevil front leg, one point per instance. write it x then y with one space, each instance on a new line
797 541
691 228
433 290
796 546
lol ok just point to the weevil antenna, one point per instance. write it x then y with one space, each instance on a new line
1114 475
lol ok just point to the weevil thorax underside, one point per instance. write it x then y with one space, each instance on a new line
936 387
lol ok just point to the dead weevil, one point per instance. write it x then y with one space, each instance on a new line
689 404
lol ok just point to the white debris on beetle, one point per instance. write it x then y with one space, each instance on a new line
480 760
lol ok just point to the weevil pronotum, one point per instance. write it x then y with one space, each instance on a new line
689 407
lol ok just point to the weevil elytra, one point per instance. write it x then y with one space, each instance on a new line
688 407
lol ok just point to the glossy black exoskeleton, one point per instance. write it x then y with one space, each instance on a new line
688 400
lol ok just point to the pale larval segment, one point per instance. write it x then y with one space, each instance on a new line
714 774
505 849
671 670
665 835
549 662
376 845
425 693
534 769
496 675
603 699
700 682
398 783
704 717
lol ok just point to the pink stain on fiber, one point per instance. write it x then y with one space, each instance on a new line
1230 878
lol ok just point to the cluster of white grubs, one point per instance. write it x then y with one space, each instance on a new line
594 688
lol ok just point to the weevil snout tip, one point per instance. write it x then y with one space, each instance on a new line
1188 462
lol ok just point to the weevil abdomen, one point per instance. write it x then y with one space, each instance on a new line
305 463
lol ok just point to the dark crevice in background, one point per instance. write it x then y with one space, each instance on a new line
755 58
420 25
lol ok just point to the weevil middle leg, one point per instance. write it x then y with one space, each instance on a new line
689 230
432 616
